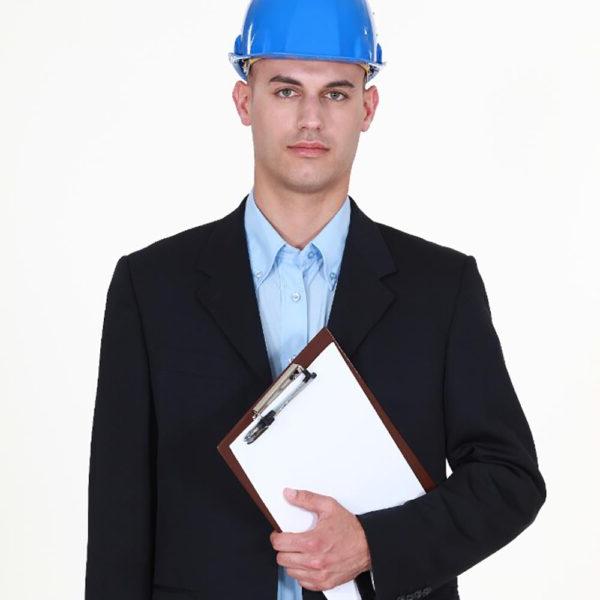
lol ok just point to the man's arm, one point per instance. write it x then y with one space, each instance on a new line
495 490
121 510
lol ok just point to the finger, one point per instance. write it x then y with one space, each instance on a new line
309 586
301 574
315 585
292 542
295 560
311 501
303 577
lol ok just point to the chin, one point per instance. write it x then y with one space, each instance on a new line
305 184
309 172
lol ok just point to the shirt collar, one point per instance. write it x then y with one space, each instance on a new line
265 243
331 240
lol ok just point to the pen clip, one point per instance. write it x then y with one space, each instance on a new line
260 410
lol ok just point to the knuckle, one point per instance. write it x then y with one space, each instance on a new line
322 585
312 544
321 577
332 505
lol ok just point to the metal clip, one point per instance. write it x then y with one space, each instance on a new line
291 376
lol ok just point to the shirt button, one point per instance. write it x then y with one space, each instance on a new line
332 275
296 296
311 254
258 274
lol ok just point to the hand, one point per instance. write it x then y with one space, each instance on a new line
333 552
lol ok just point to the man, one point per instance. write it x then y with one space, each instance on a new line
198 325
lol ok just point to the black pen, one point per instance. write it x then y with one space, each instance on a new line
267 420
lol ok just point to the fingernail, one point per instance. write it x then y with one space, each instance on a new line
290 493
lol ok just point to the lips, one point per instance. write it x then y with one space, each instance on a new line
309 149
311 145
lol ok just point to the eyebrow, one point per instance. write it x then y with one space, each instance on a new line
292 81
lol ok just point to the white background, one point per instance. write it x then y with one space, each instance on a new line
117 128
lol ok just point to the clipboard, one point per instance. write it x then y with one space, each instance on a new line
318 426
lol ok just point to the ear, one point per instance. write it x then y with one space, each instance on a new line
241 95
370 102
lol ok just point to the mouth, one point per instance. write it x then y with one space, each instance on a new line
309 149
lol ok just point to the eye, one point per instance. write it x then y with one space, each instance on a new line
338 96
343 96
284 90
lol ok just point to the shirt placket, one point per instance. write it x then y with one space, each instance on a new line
294 308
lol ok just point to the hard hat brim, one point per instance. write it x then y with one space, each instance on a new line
237 61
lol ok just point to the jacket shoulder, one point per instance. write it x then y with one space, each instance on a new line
420 251
176 249
428 272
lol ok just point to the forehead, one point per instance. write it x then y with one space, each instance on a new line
309 71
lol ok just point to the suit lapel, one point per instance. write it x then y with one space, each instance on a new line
360 296
227 289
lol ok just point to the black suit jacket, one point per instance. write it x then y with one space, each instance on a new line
183 356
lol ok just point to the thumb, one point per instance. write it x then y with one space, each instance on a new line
309 500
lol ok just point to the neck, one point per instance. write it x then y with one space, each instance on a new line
298 216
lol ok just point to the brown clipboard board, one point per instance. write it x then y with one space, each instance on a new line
308 354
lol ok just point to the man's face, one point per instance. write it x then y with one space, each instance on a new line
287 102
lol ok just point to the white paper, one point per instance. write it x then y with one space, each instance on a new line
330 440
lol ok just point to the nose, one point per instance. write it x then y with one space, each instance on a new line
310 113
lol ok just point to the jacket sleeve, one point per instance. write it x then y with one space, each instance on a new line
495 490
121 490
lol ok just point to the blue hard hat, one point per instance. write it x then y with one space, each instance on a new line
338 30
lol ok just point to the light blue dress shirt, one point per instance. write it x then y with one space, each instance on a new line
295 290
